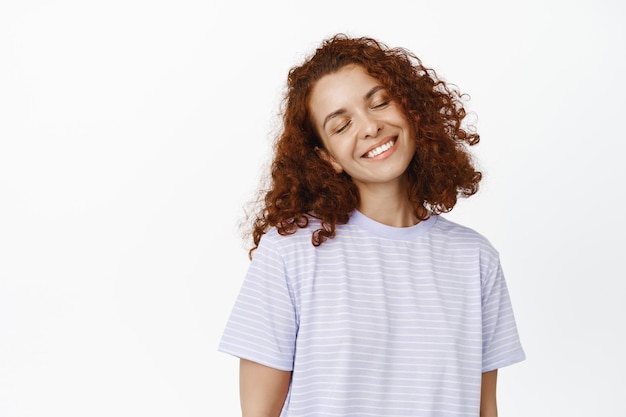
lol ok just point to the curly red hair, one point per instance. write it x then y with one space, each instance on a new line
303 185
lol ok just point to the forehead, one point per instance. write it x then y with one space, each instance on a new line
341 89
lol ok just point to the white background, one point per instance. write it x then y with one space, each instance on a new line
133 132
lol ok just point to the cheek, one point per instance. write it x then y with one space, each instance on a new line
343 150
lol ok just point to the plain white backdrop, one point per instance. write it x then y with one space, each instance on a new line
133 132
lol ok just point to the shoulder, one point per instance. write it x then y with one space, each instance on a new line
285 243
459 234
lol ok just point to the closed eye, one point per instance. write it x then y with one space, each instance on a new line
381 104
343 127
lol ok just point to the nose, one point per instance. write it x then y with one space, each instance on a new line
370 127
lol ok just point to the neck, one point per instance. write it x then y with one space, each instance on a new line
390 207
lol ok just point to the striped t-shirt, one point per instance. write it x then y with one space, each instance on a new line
378 321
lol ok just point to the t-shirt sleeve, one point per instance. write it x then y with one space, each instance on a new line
501 343
262 326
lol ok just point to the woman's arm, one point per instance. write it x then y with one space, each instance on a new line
262 390
488 405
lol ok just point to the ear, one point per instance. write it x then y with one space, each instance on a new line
326 156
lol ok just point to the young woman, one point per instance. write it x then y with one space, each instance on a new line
361 300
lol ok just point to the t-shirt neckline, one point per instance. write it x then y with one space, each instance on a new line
390 232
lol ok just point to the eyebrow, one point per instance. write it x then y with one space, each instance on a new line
339 112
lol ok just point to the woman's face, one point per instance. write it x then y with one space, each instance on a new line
363 131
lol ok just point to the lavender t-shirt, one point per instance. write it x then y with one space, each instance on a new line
378 321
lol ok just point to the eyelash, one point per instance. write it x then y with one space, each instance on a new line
344 127
383 104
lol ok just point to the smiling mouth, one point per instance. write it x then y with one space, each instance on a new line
380 149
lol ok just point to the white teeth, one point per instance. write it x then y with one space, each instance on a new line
380 149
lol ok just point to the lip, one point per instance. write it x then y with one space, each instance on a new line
385 153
